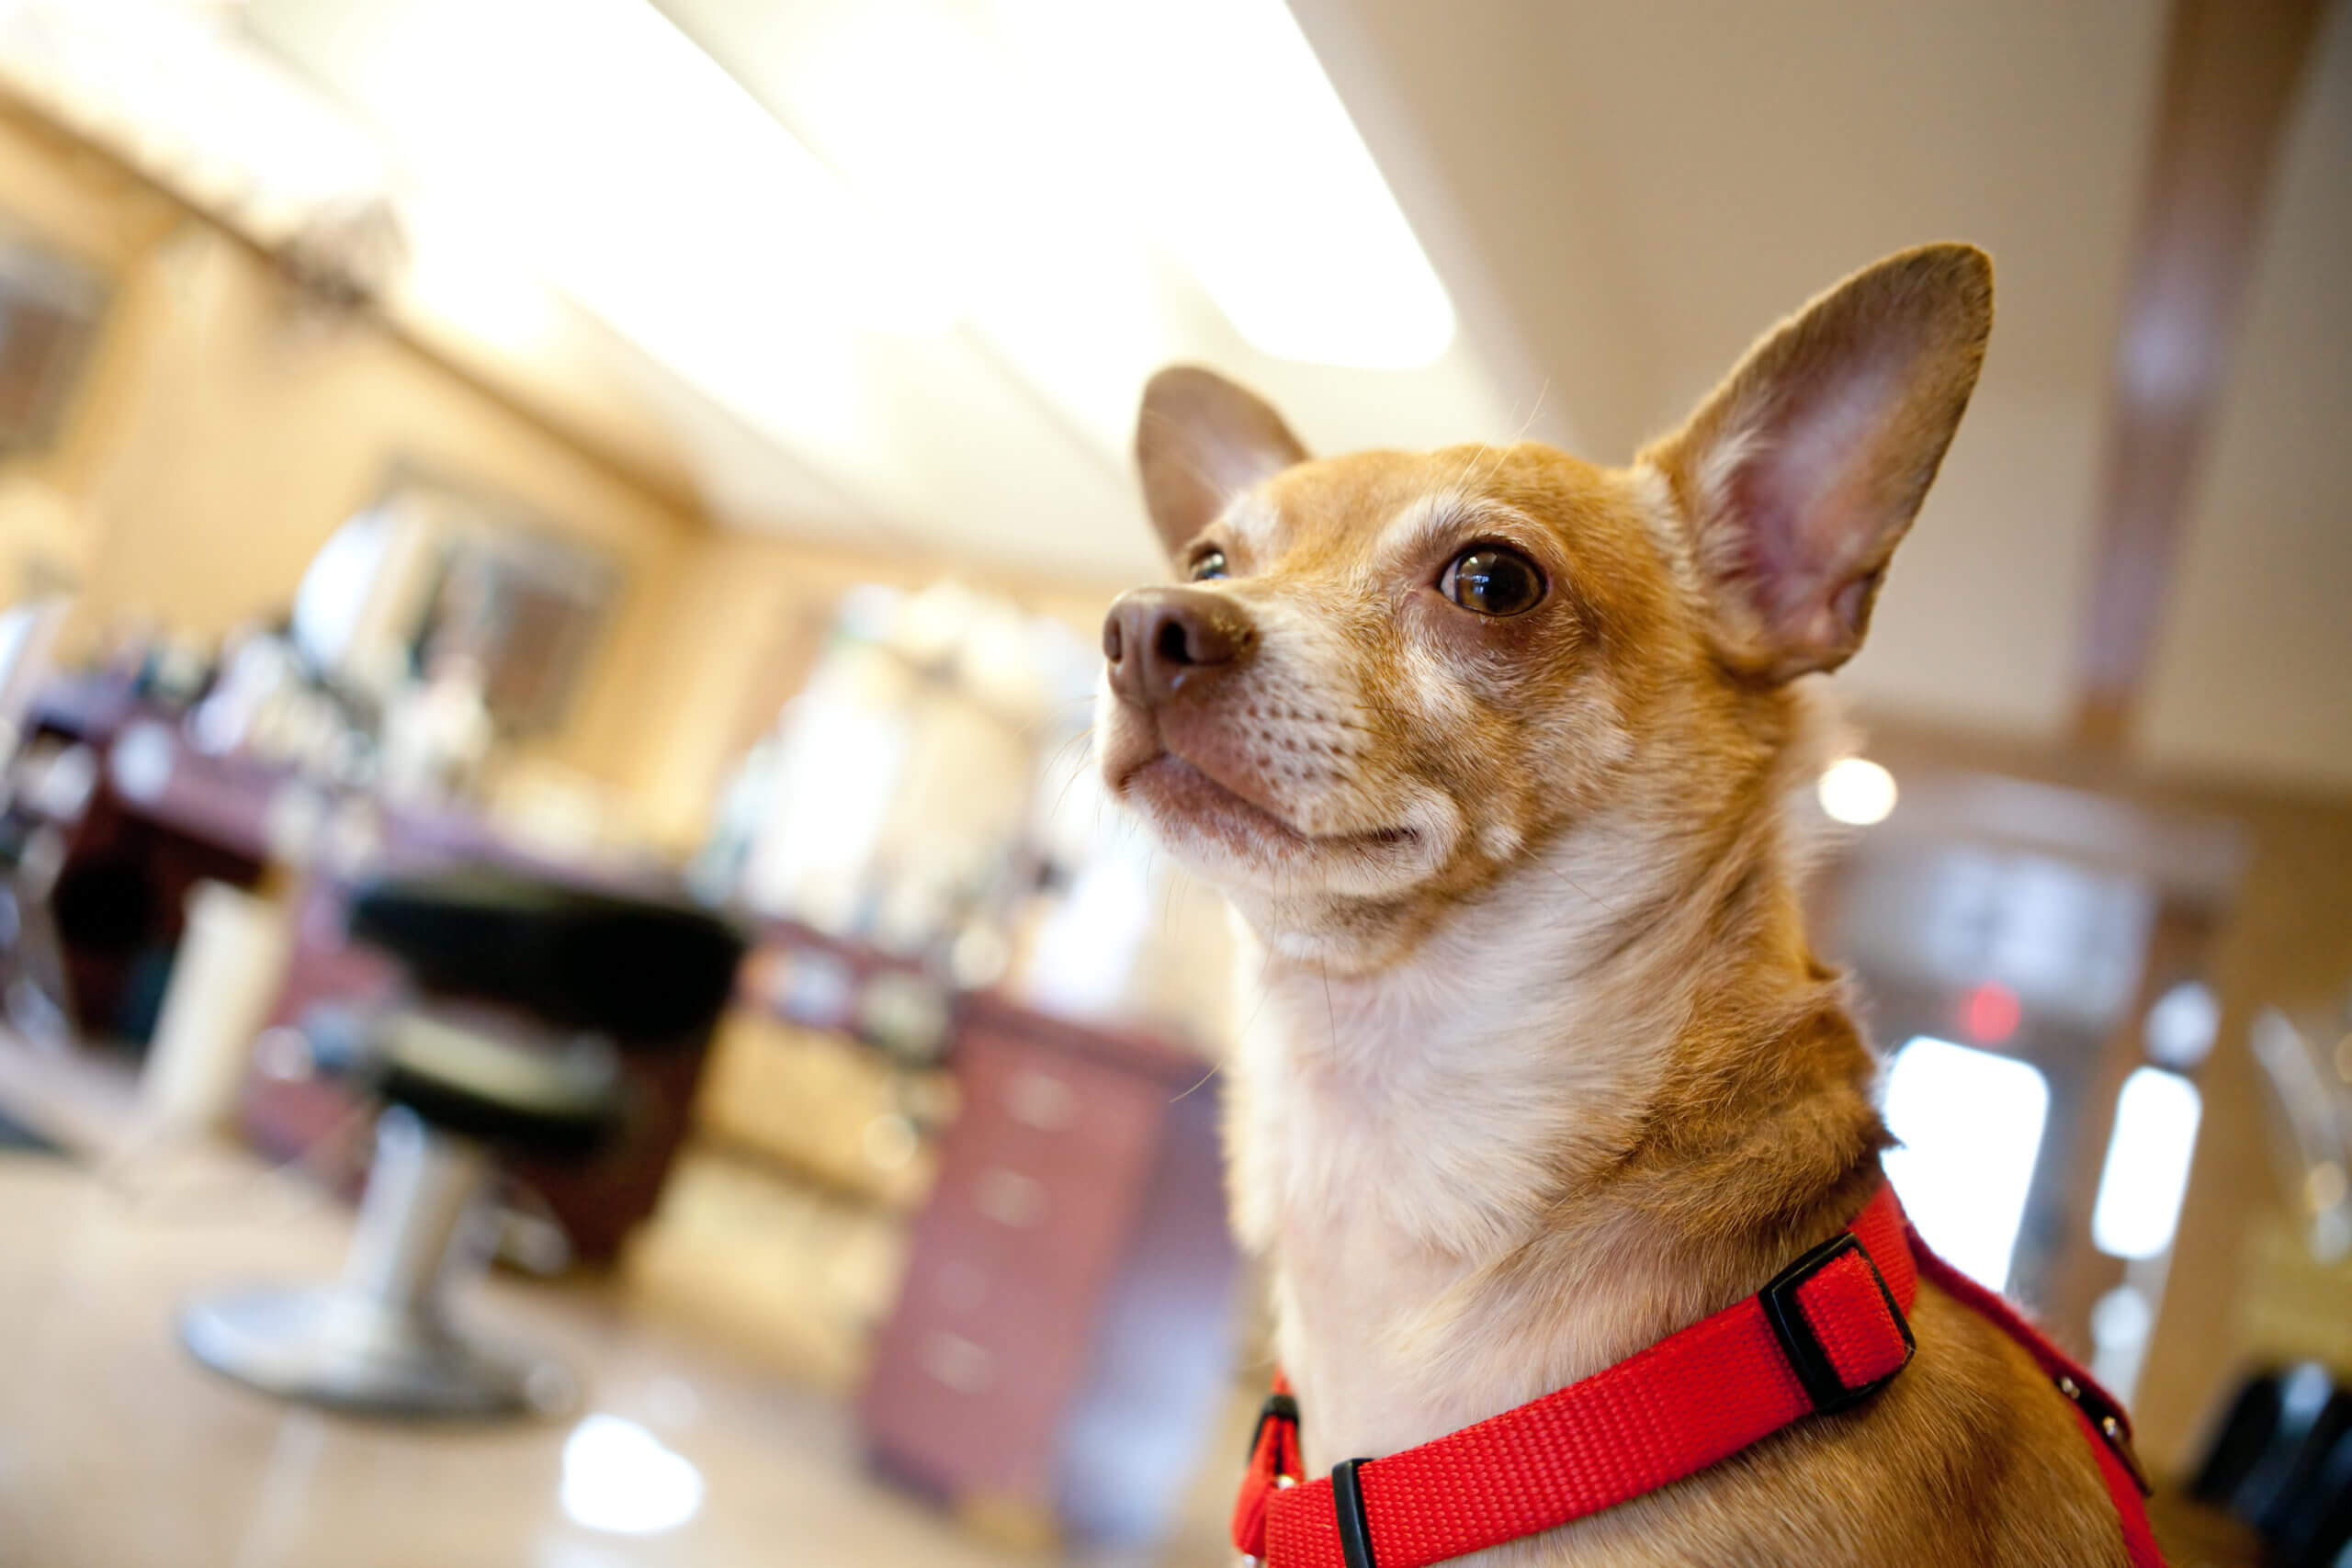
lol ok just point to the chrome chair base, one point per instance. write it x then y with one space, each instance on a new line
380 1340
334 1347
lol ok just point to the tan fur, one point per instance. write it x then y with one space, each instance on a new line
1539 1065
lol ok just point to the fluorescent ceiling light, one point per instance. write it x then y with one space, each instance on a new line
641 169
1246 162
974 140
599 144
480 289
1040 173
1068 165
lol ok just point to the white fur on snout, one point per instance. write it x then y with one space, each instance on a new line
1294 732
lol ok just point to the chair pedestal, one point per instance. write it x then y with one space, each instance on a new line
381 1340
521 996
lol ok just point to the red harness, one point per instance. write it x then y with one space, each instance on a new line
1828 1333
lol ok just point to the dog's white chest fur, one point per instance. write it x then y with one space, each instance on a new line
1395 1134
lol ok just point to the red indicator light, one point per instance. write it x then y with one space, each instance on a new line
1989 1013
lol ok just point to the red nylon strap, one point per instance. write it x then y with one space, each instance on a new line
1693 1398
1688 1401
1274 1459
2123 1482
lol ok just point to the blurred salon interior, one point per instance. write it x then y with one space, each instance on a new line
570 996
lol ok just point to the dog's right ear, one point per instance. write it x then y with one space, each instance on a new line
1200 440
1799 475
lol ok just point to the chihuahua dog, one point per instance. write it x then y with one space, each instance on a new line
1492 752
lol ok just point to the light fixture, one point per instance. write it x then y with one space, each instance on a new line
480 289
1211 135
1989 1013
2181 1026
599 145
1969 1125
1219 131
1282 212
1856 790
2147 1164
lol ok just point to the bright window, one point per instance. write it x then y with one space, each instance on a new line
1971 1125
2147 1164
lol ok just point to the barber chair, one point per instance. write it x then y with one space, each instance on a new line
502 1041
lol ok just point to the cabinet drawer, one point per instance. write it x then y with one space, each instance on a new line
1041 1180
1041 1172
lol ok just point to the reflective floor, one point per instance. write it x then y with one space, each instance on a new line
117 1451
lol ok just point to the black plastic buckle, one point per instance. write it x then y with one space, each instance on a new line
1347 1506
1803 1346
1278 1407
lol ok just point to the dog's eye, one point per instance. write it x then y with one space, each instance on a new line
1208 564
1492 582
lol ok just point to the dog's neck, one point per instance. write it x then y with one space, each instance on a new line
1586 1109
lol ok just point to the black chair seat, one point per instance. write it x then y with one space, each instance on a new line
640 971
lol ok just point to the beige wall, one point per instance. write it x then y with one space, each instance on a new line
86 210
223 434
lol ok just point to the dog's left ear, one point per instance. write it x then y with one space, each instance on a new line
1799 475
1200 440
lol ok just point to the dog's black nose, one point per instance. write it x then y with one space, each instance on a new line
1163 640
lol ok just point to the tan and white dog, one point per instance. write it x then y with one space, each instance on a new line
1492 750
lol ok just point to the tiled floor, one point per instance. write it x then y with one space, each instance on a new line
118 1451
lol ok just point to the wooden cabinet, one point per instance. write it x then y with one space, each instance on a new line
1064 1329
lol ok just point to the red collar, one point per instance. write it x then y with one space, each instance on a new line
1828 1331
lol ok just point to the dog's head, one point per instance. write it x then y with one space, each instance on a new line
1386 679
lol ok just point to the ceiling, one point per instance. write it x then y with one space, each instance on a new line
995 430
2253 667
1618 195
1647 184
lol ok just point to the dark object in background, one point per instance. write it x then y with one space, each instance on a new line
522 992
576 958
107 915
2245 1431
17 1138
595 1202
2280 1460
115 905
